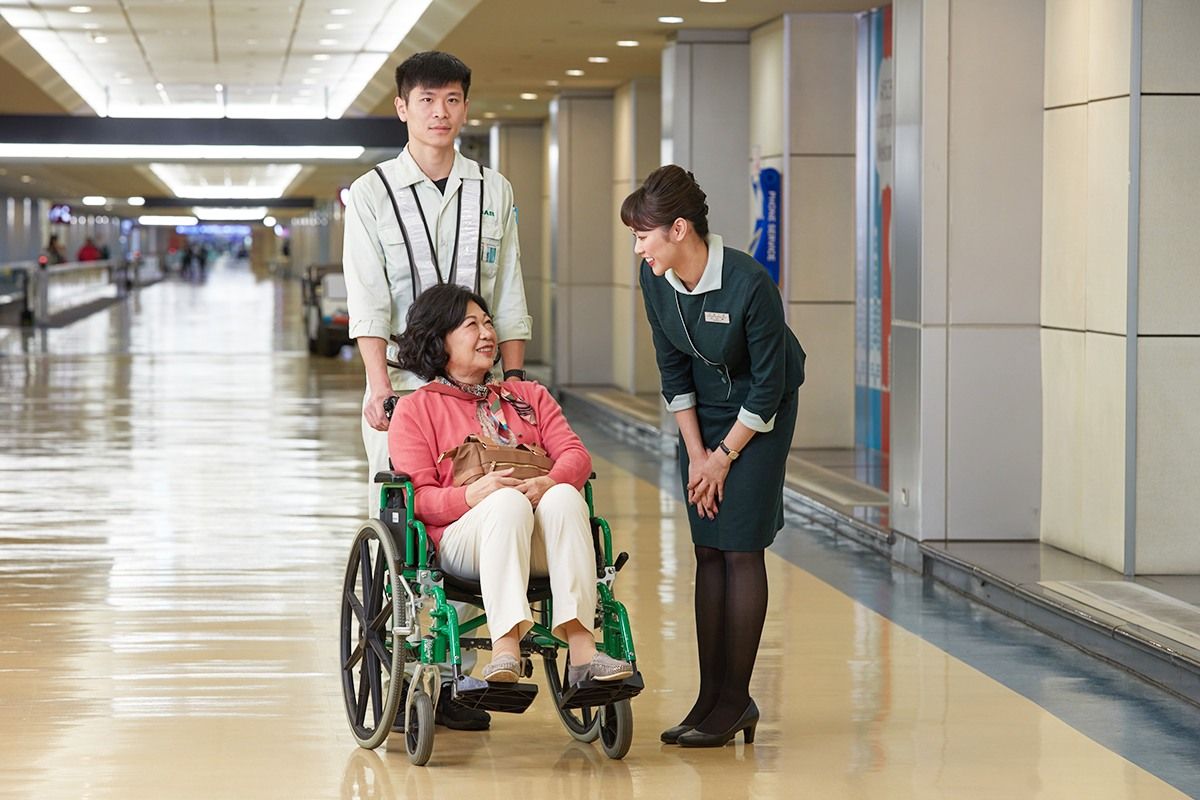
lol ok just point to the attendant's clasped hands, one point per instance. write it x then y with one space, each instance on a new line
706 482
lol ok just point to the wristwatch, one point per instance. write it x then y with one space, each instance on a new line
733 454
519 374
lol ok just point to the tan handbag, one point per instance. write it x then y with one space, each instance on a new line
475 458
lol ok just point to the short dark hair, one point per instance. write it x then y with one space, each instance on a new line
439 310
432 69
668 194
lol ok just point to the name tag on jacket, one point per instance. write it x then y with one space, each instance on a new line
716 316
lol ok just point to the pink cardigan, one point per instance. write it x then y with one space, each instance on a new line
437 418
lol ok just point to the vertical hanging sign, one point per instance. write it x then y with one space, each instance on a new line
764 245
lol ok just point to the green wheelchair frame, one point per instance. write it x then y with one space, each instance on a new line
381 632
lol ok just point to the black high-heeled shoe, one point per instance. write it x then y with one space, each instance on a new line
671 735
746 724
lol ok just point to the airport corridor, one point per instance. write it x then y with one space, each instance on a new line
179 485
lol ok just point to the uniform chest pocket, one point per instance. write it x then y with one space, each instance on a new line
395 252
489 246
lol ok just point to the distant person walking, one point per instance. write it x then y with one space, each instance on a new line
89 251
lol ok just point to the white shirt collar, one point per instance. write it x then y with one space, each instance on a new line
710 279
410 173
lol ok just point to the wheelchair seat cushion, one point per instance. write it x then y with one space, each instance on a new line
468 590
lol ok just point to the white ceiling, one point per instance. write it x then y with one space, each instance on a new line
213 58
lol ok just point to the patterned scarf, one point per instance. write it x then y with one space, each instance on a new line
489 411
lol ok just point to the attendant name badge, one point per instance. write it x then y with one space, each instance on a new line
716 316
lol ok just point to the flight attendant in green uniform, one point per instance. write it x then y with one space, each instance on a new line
730 370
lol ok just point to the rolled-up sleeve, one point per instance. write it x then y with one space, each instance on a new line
765 344
510 313
368 297
674 366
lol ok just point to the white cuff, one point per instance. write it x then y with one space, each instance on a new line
377 328
755 423
682 402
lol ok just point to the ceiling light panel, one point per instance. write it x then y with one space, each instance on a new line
224 182
261 68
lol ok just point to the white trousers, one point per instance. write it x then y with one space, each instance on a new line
503 540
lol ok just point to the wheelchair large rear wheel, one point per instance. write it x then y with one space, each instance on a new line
616 729
372 666
582 723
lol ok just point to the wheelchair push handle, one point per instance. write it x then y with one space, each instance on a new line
389 406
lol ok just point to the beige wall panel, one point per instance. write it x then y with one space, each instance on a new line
624 262
1066 52
820 229
1110 26
1168 459
648 122
1063 362
994 442
1169 30
624 143
1169 261
588 249
766 90
935 149
1107 215
537 298
1103 454
825 417
623 333
995 179
822 83
1064 218
591 321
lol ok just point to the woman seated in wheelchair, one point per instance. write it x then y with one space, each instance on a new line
497 529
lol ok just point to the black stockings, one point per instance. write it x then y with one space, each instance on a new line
731 604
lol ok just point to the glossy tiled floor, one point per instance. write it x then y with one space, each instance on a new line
178 485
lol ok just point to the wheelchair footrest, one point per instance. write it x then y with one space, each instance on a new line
512 698
591 693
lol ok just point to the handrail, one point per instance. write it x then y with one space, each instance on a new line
31 290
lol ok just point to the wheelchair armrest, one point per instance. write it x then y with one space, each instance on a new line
387 476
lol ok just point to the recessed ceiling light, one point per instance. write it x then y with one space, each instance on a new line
159 86
137 200
80 9
341 12
167 219
308 82
528 96
552 83
598 59
26 179
489 115
671 20
91 26
628 43
474 123
575 73
94 200
321 57
712 1
100 39
269 221
220 87
334 26
328 42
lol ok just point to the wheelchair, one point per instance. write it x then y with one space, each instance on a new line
392 576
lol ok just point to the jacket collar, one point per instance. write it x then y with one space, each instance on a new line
710 280
408 173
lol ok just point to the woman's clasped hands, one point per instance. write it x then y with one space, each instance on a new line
532 488
706 481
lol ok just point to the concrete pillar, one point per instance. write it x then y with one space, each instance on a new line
966 372
636 151
581 246
517 153
1120 282
802 122
705 105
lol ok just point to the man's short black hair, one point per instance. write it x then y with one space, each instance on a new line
439 310
432 69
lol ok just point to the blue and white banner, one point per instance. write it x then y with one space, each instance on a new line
764 245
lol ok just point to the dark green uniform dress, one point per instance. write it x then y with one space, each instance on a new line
725 349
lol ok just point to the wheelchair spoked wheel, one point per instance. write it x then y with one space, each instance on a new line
418 737
372 668
582 723
616 729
